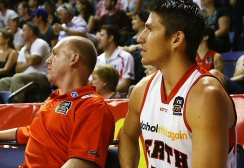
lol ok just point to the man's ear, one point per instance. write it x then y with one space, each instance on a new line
206 37
111 38
74 58
178 39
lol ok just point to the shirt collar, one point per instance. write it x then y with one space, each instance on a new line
75 93
114 55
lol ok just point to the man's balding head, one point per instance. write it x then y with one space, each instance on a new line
84 48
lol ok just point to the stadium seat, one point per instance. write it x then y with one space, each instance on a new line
4 96
11 157
240 156
7 155
34 93
230 59
112 158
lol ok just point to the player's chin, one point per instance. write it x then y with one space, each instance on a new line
144 61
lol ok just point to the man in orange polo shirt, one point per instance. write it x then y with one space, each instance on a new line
74 127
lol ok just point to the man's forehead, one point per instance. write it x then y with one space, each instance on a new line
153 19
58 46
103 31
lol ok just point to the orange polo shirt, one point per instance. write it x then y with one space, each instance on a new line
77 124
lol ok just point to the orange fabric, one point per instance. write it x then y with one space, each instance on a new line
208 60
78 124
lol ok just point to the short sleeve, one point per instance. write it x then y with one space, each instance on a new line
21 57
79 25
223 12
93 131
38 49
129 70
23 135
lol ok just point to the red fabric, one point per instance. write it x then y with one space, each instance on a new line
208 60
78 124
16 115
239 104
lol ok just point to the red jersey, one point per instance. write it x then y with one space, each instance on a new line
208 60
77 124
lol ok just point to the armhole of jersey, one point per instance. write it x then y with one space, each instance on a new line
232 129
147 88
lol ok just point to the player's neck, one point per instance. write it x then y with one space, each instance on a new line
173 71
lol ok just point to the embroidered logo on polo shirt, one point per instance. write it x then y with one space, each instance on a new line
88 96
63 107
74 94
177 106
93 153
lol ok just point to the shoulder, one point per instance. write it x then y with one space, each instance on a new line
217 55
125 54
208 85
223 11
11 12
93 103
13 52
138 93
39 42
101 57
78 20
208 100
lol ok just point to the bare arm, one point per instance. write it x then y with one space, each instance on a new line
18 47
239 69
32 59
91 24
58 27
54 42
218 63
20 67
12 59
70 32
8 135
79 163
210 118
129 146
138 5
124 85
130 48
224 26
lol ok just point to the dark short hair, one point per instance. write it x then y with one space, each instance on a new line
50 6
33 28
8 35
211 36
88 11
115 2
143 15
112 30
181 15
5 3
25 5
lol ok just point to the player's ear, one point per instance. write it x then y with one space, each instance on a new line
74 58
178 39
111 38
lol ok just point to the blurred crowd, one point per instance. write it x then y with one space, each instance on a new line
31 28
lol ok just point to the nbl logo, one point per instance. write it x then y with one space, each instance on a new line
177 106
